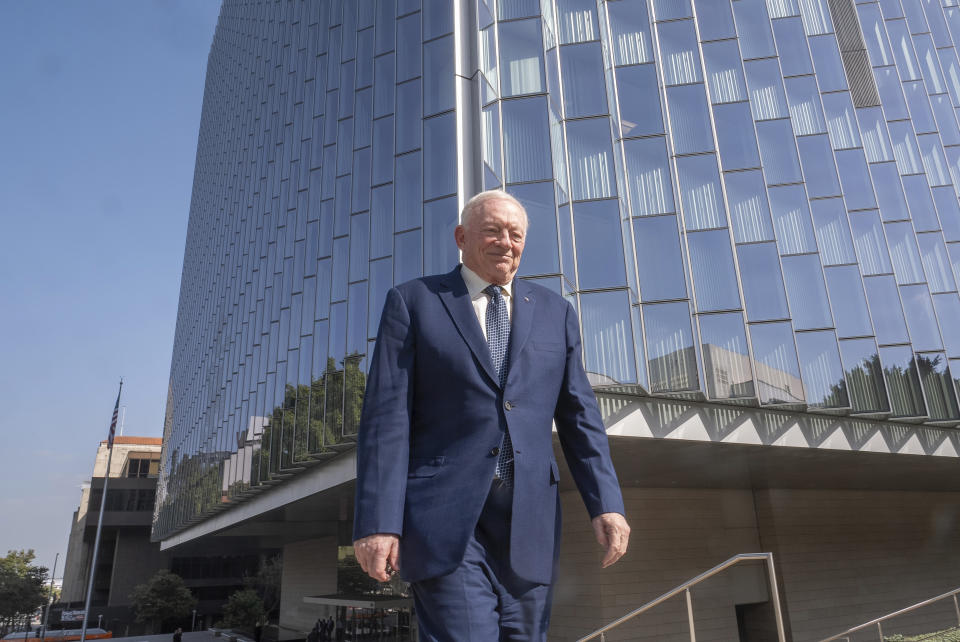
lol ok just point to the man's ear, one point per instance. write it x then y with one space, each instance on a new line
459 236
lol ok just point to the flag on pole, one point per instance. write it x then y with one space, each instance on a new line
113 422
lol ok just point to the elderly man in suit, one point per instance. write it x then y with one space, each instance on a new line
456 476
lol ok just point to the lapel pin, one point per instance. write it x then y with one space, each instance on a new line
526 299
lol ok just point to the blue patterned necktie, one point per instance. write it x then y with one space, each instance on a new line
498 338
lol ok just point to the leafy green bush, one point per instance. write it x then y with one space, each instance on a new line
243 610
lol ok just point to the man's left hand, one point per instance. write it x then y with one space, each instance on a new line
612 533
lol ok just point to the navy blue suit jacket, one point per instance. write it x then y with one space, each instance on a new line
434 412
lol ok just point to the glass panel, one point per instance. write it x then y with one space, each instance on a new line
891 94
679 52
714 20
608 337
341 256
903 252
408 47
521 58
903 381
749 212
790 37
577 20
726 359
919 105
920 202
936 264
762 285
929 63
409 194
951 71
778 152
596 228
689 119
724 71
639 100
381 280
440 156
819 170
671 9
938 387
700 192
359 246
885 309
437 21
753 27
382 151
408 116
861 364
439 248
766 91
408 262
890 198
734 127
905 148
591 159
381 221
632 42
714 278
357 319
827 62
953 249
809 305
841 121
671 359
823 379
492 140
517 9
584 93
438 76
855 179
946 119
903 50
948 311
526 139
541 253
816 16
934 162
849 305
871 246
791 219
565 224
777 370
648 177
659 258
804 99
876 141
949 211
833 233
360 189
875 35
921 320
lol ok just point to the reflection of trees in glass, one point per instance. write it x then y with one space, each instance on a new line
312 418
867 390
937 386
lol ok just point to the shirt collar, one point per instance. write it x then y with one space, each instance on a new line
476 285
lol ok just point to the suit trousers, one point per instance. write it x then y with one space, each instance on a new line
483 600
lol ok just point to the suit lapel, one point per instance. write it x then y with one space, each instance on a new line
457 301
523 306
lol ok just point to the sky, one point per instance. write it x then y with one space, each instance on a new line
99 113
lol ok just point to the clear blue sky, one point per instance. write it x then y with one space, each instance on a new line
99 112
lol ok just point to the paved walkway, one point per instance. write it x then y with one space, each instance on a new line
197 636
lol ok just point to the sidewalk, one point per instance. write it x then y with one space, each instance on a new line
196 636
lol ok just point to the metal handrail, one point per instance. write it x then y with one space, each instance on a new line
879 620
686 586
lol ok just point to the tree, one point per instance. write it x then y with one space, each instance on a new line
22 586
266 583
163 597
243 610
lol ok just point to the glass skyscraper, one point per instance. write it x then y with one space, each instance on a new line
749 202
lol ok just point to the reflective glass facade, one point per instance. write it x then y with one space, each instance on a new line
748 201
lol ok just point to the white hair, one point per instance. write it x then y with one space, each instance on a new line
477 202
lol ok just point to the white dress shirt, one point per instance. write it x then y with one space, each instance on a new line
480 299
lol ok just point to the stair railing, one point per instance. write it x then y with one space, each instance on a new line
879 621
685 588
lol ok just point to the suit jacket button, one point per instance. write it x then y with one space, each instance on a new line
495 451
508 405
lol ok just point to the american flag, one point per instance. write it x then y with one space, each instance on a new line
113 422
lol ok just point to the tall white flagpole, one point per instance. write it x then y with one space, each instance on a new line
103 503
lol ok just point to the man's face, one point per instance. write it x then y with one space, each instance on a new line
492 241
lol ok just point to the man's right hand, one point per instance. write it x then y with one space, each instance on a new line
376 553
